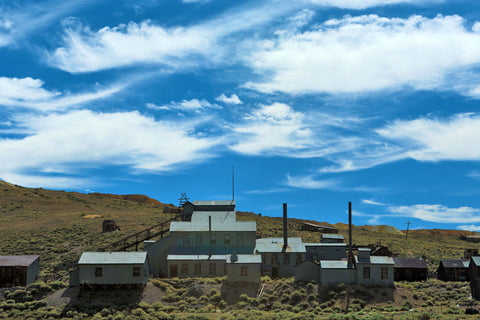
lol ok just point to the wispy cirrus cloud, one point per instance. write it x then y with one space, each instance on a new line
369 53
129 139
375 203
308 182
193 105
363 4
30 93
438 213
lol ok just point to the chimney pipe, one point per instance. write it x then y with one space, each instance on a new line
210 235
285 225
350 253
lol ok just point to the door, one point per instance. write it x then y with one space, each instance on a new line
173 271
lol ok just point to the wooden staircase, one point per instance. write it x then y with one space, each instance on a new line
135 239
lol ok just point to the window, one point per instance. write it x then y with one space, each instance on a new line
186 240
213 239
240 239
136 271
244 271
184 268
213 268
384 273
226 239
198 239
198 269
286 258
366 272
274 258
298 259
98 272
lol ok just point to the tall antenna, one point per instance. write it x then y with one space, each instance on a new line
233 183
408 226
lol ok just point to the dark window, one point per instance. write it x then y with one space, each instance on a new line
366 272
240 239
184 268
244 271
186 240
274 258
98 272
299 258
198 269
384 273
136 271
226 239
213 268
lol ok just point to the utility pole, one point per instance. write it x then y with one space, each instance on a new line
408 227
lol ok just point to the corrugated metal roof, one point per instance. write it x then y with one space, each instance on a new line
218 217
454 263
279 240
332 236
277 246
187 257
245 258
466 264
183 226
376 260
17 261
410 263
333 264
325 244
476 261
364 250
214 203
134 257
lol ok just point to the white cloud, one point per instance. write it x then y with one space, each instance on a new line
58 144
375 203
308 182
428 139
363 4
25 20
233 99
195 105
272 129
470 227
29 93
368 53
438 213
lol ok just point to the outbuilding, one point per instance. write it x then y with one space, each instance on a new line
111 268
453 270
18 270
410 269
332 238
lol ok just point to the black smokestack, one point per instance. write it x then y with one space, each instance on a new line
285 232
350 253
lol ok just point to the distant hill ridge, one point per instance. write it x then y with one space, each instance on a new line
130 197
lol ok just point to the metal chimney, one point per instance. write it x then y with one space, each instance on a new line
350 258
285 225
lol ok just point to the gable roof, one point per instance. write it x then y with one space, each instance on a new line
132 257
454 263
214 203
476 261
17 261
410 263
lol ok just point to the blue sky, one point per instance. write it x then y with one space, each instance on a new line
315 103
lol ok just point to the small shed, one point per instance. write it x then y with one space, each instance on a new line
243 267
109 226
410 269
308 271
112 268
474 276
453 270
381 251
468 253
314 227
474 238
325 251
332 238
18 270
